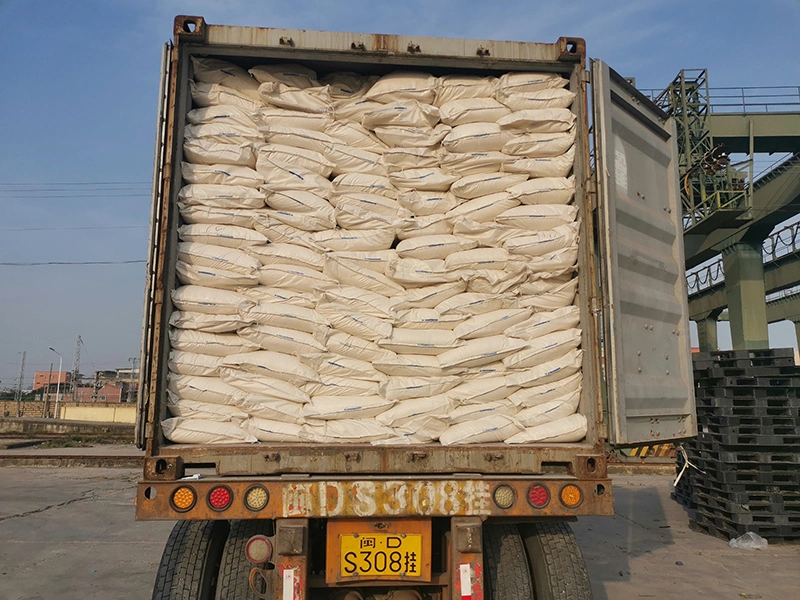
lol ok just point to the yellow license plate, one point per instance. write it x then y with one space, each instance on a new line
380 555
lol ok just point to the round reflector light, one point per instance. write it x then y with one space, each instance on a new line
571 495
258 549
538 496
504 496
220 497
183 498
256 497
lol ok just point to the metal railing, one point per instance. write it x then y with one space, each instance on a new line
775 99
779 244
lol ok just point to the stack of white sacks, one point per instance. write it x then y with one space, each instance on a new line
388 260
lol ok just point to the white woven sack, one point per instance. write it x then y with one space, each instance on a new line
212 70
223 133
539 394
542 243
494 281
209 152
540 145
346 84
343 318
476 412
414 272
346 407
421 429
433 247
546 120
353 109
549 347
354 241
221 175
299 201
281 314
191 409
309 222
188 274
481 351
351 346
365 183
518 82
262 387
347 431
280 339
339 365
494 428
280 117
414 341
484 184
349 273
487 233
271 364
423 203
567 430
400 159
470 304
215 344
480 391
472 163
403 85
554 166
559 297
194 298
261 293
402 388
491 323
217 216
278 232
332 385
434 406
355 136
299 138
269 430
191 363
291 75
558 261
549 98
410 365
543 323
421 226
220 235
304 279
274 409
211 94
412 137
270 154
478 258
289 254
348 159
375 260
544 190
485 208
548 372
459 87
429 179
181 430
408 113
313 99
204 389
374 203
427 318
538 217
472 110
355 216
220 257
549 411
430 296
221 196
206 322
359 300
543 283
476 137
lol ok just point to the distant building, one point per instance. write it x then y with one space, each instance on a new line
41 379
119 385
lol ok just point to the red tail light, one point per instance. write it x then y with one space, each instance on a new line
538 496
220 497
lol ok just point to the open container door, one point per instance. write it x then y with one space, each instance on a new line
645 314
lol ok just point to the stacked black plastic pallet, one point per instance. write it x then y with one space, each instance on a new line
747 452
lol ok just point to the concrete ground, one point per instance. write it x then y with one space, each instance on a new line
70 534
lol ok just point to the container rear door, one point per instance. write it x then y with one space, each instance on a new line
646 345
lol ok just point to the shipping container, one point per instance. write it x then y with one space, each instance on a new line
310 519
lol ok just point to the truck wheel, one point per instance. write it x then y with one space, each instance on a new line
234 570
506 572
556 562
189 565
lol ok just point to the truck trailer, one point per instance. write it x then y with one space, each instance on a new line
291 482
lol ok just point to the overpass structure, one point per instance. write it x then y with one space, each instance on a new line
730 212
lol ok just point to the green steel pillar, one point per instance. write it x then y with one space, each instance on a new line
744 286
707 334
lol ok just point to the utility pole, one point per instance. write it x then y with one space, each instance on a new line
76 367
47 398
18 391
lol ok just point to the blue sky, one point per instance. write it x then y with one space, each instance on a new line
78 105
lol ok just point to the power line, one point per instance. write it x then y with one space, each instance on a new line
88 262
63 196
79 183
73 228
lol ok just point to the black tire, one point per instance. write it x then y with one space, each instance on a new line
189 565
234 570
556 562
505 565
